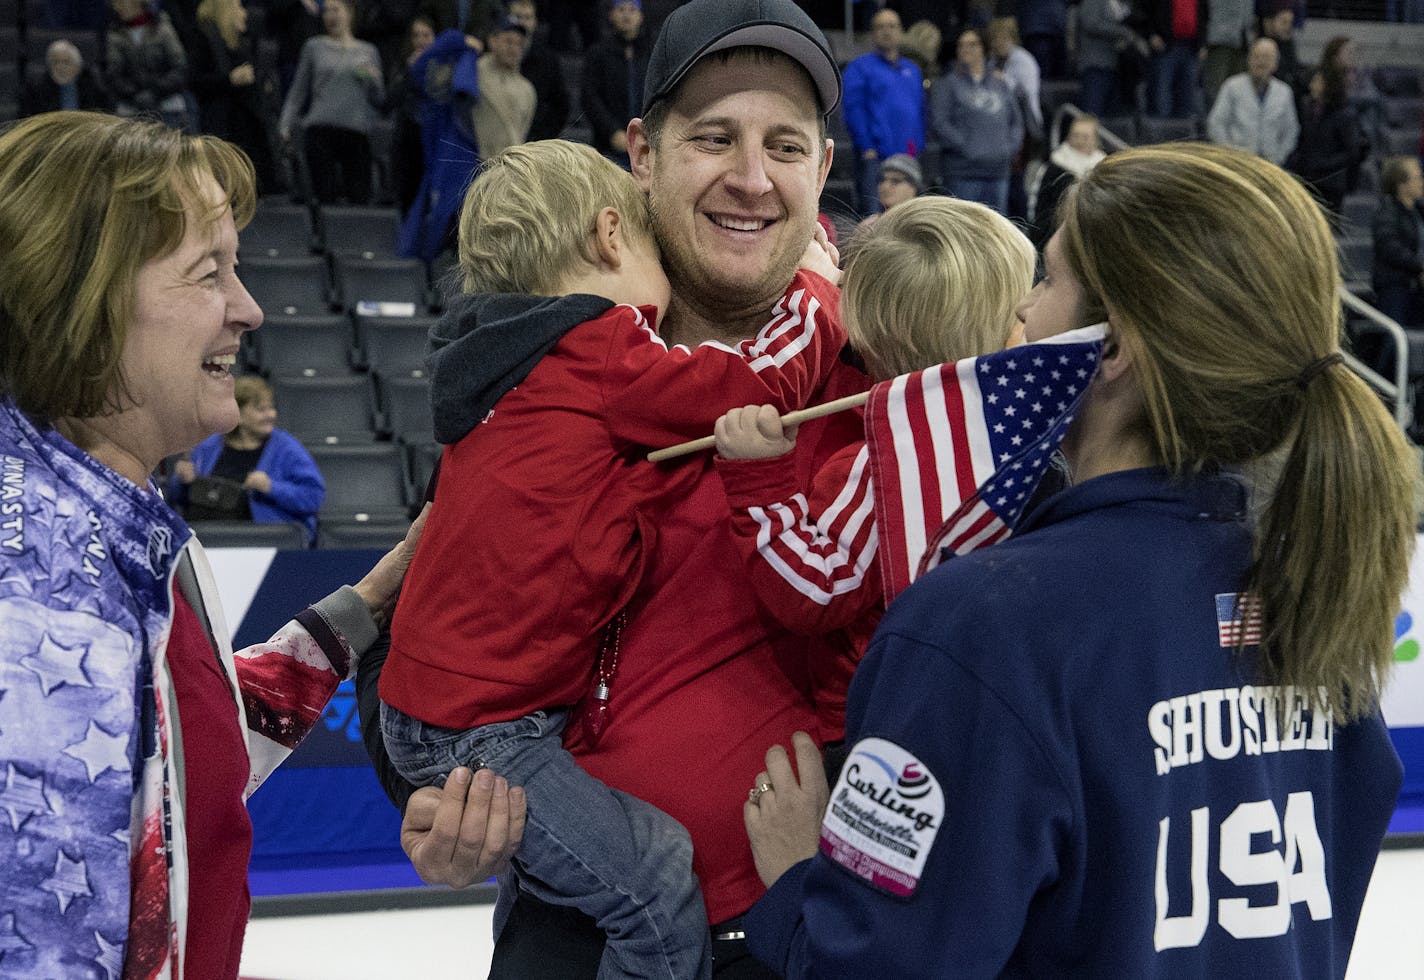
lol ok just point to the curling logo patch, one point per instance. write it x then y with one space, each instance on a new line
886 810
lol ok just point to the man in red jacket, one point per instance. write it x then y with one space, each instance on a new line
732 151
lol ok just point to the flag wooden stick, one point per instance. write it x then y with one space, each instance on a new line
790 418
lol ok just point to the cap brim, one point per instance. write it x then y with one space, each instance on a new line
781 37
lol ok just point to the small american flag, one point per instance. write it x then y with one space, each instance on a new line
1238 619
957 449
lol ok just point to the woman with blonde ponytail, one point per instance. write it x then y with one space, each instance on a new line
1142 736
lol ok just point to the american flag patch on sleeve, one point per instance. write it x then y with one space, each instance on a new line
1238 619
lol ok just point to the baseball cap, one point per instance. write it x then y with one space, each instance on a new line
906 166
702 27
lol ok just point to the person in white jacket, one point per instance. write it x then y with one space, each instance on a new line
1255 111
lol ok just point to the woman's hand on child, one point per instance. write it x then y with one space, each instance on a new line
465 831
381 585
785 811
821 257
753 432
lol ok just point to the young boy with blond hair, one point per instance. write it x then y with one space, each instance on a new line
933 280
547 380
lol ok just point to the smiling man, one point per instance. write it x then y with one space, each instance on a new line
731 149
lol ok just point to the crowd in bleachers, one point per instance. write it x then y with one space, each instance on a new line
365 119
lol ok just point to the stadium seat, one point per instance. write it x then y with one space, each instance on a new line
376 287
1404 111
421 457
380 535
365 483
303 346
1054 92
1357 259
323 410
1357 213
1401 142
1124 128
367 232
1393 80
289 287
1151 130
9 81
446 279
394 345
284 535
405 408
278 231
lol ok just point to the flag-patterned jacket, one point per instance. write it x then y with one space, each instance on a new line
91 765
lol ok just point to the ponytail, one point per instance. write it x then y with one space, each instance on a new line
1332 547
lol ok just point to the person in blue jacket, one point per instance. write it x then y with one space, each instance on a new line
281 478
1141 737
446 79
884 105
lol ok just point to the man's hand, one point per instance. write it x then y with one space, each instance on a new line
258 481
466 831
821 257
784 821
753 432
242 75
380 586
184 470
618 139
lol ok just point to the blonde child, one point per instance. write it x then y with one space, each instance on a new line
933 280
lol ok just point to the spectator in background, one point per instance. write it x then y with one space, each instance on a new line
387 25
293 23
1176 29
232 99
1255 111
67 83
281 479
884 105
334 99
901 180
504 109
1399 242
1331 146
445 78
1279 25
541 66
1069 163
921 45
1340 55
1104 37
403 102
1044 24
1021 71
613 73
1228 33
147 66
1017 65
977 120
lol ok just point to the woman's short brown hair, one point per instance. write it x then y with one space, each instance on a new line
86 200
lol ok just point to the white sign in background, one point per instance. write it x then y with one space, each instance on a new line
1404 695
239 572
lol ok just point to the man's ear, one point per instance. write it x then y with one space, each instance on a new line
608 238
826 165
640 155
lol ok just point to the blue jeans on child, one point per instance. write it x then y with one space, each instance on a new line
612 856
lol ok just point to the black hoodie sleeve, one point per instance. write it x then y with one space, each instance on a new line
368 702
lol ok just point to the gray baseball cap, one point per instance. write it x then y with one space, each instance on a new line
701 27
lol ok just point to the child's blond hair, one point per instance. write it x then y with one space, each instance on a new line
933 280
529 215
